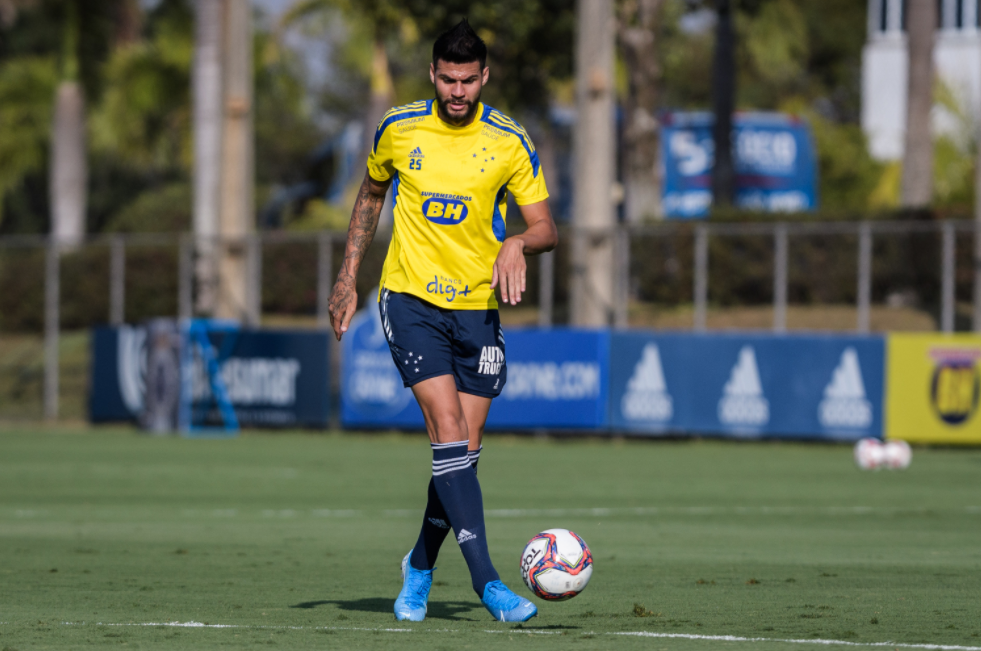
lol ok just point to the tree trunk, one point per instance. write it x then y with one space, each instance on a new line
68 179
127 22
918 152
69 171
641 136
381 99
207 81
594 155
237 297
723 105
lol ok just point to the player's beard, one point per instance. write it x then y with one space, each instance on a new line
448 117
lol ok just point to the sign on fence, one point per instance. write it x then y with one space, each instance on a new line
933 388
798 387
372 394
271 378
773 156
555 378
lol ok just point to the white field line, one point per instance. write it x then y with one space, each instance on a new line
640 511
680 636
733 638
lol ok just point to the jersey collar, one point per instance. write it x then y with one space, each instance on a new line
473 126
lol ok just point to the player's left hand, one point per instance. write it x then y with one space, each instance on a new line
509 270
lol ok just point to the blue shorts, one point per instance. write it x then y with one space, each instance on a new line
427 341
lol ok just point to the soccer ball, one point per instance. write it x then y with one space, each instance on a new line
869 454
897 454
556 564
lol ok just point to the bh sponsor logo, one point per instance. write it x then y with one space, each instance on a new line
844 404
491 360
445 212
955 383
743 403
647 397
447 288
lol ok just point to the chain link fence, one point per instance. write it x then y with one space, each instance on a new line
834 276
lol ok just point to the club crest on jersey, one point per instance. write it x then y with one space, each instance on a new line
445 212
491 360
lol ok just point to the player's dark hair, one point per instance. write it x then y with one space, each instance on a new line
460 44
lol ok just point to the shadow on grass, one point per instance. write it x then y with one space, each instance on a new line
437 609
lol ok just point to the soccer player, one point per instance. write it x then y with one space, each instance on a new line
451 163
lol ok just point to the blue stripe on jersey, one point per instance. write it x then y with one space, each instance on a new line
395 188
398 117
497 223
500 121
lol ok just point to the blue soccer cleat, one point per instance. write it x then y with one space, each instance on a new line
413 601
506 606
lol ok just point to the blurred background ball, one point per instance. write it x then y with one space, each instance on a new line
556 564
897 454
869 454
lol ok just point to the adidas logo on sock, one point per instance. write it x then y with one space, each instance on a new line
439 523
464 536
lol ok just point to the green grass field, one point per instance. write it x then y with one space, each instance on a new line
290 540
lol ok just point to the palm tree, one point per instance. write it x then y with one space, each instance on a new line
918 155
69 171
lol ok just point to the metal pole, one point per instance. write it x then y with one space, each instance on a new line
325 269
254 307
977 239
185 269
52 300
621 309
947 287
546 289
864 275
701 277
780 246
117 281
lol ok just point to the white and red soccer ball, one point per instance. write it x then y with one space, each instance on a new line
556 564
871 454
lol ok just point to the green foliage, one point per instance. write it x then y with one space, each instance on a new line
166 209
775 49
847 174
145 114
27 88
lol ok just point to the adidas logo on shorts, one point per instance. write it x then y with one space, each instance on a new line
491 360
464 536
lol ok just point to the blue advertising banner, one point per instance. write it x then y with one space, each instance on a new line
272 378
372 394
740 385
773 155
557 378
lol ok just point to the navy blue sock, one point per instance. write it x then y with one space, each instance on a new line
459 492
435 525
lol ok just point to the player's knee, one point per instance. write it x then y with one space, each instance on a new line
449 427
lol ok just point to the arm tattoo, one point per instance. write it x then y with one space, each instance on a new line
364 222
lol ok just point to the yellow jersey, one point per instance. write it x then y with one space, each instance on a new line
450 187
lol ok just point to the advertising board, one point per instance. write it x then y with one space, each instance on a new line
933 386
555 378
272 378
746 385
773 154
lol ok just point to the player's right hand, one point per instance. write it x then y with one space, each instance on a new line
343 304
